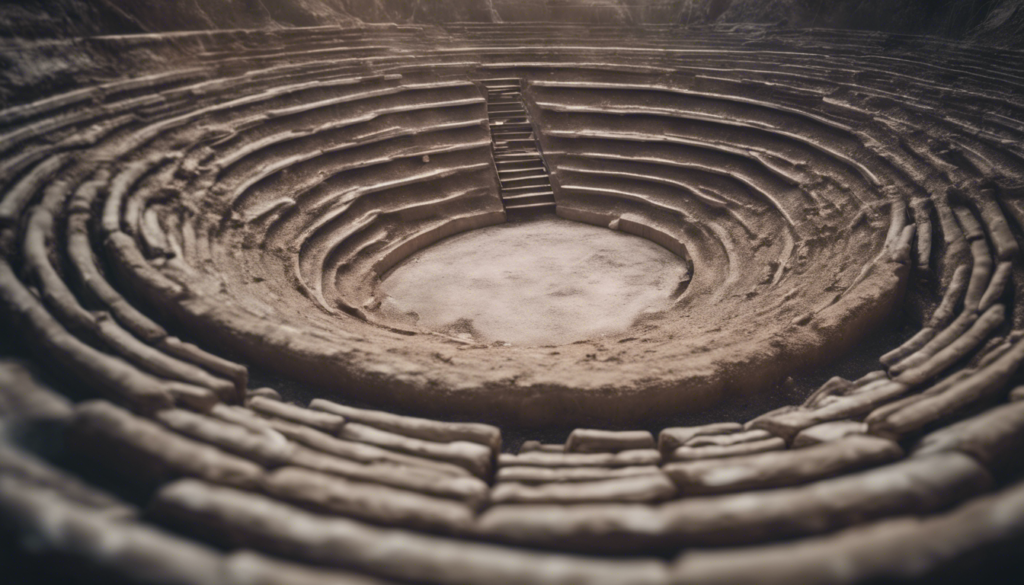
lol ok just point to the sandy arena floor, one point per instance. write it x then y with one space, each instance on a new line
544 282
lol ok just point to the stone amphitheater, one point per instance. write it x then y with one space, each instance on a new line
214 376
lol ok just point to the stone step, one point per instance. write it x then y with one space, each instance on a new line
529 199
531 207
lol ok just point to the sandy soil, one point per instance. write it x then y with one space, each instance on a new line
545 282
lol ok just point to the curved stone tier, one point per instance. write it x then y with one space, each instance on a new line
232 200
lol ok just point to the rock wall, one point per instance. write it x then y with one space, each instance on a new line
988 20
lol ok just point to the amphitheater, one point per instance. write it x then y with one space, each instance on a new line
234 272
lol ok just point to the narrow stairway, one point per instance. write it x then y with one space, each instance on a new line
525 183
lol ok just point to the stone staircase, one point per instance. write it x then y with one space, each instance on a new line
525 183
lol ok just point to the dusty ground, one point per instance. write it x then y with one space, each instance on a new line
545 282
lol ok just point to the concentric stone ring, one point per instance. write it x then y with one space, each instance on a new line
213 246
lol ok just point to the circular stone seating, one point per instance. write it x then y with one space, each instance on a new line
233 200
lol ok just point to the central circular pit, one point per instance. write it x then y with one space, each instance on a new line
544 282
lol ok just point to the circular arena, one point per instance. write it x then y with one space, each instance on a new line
513 303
